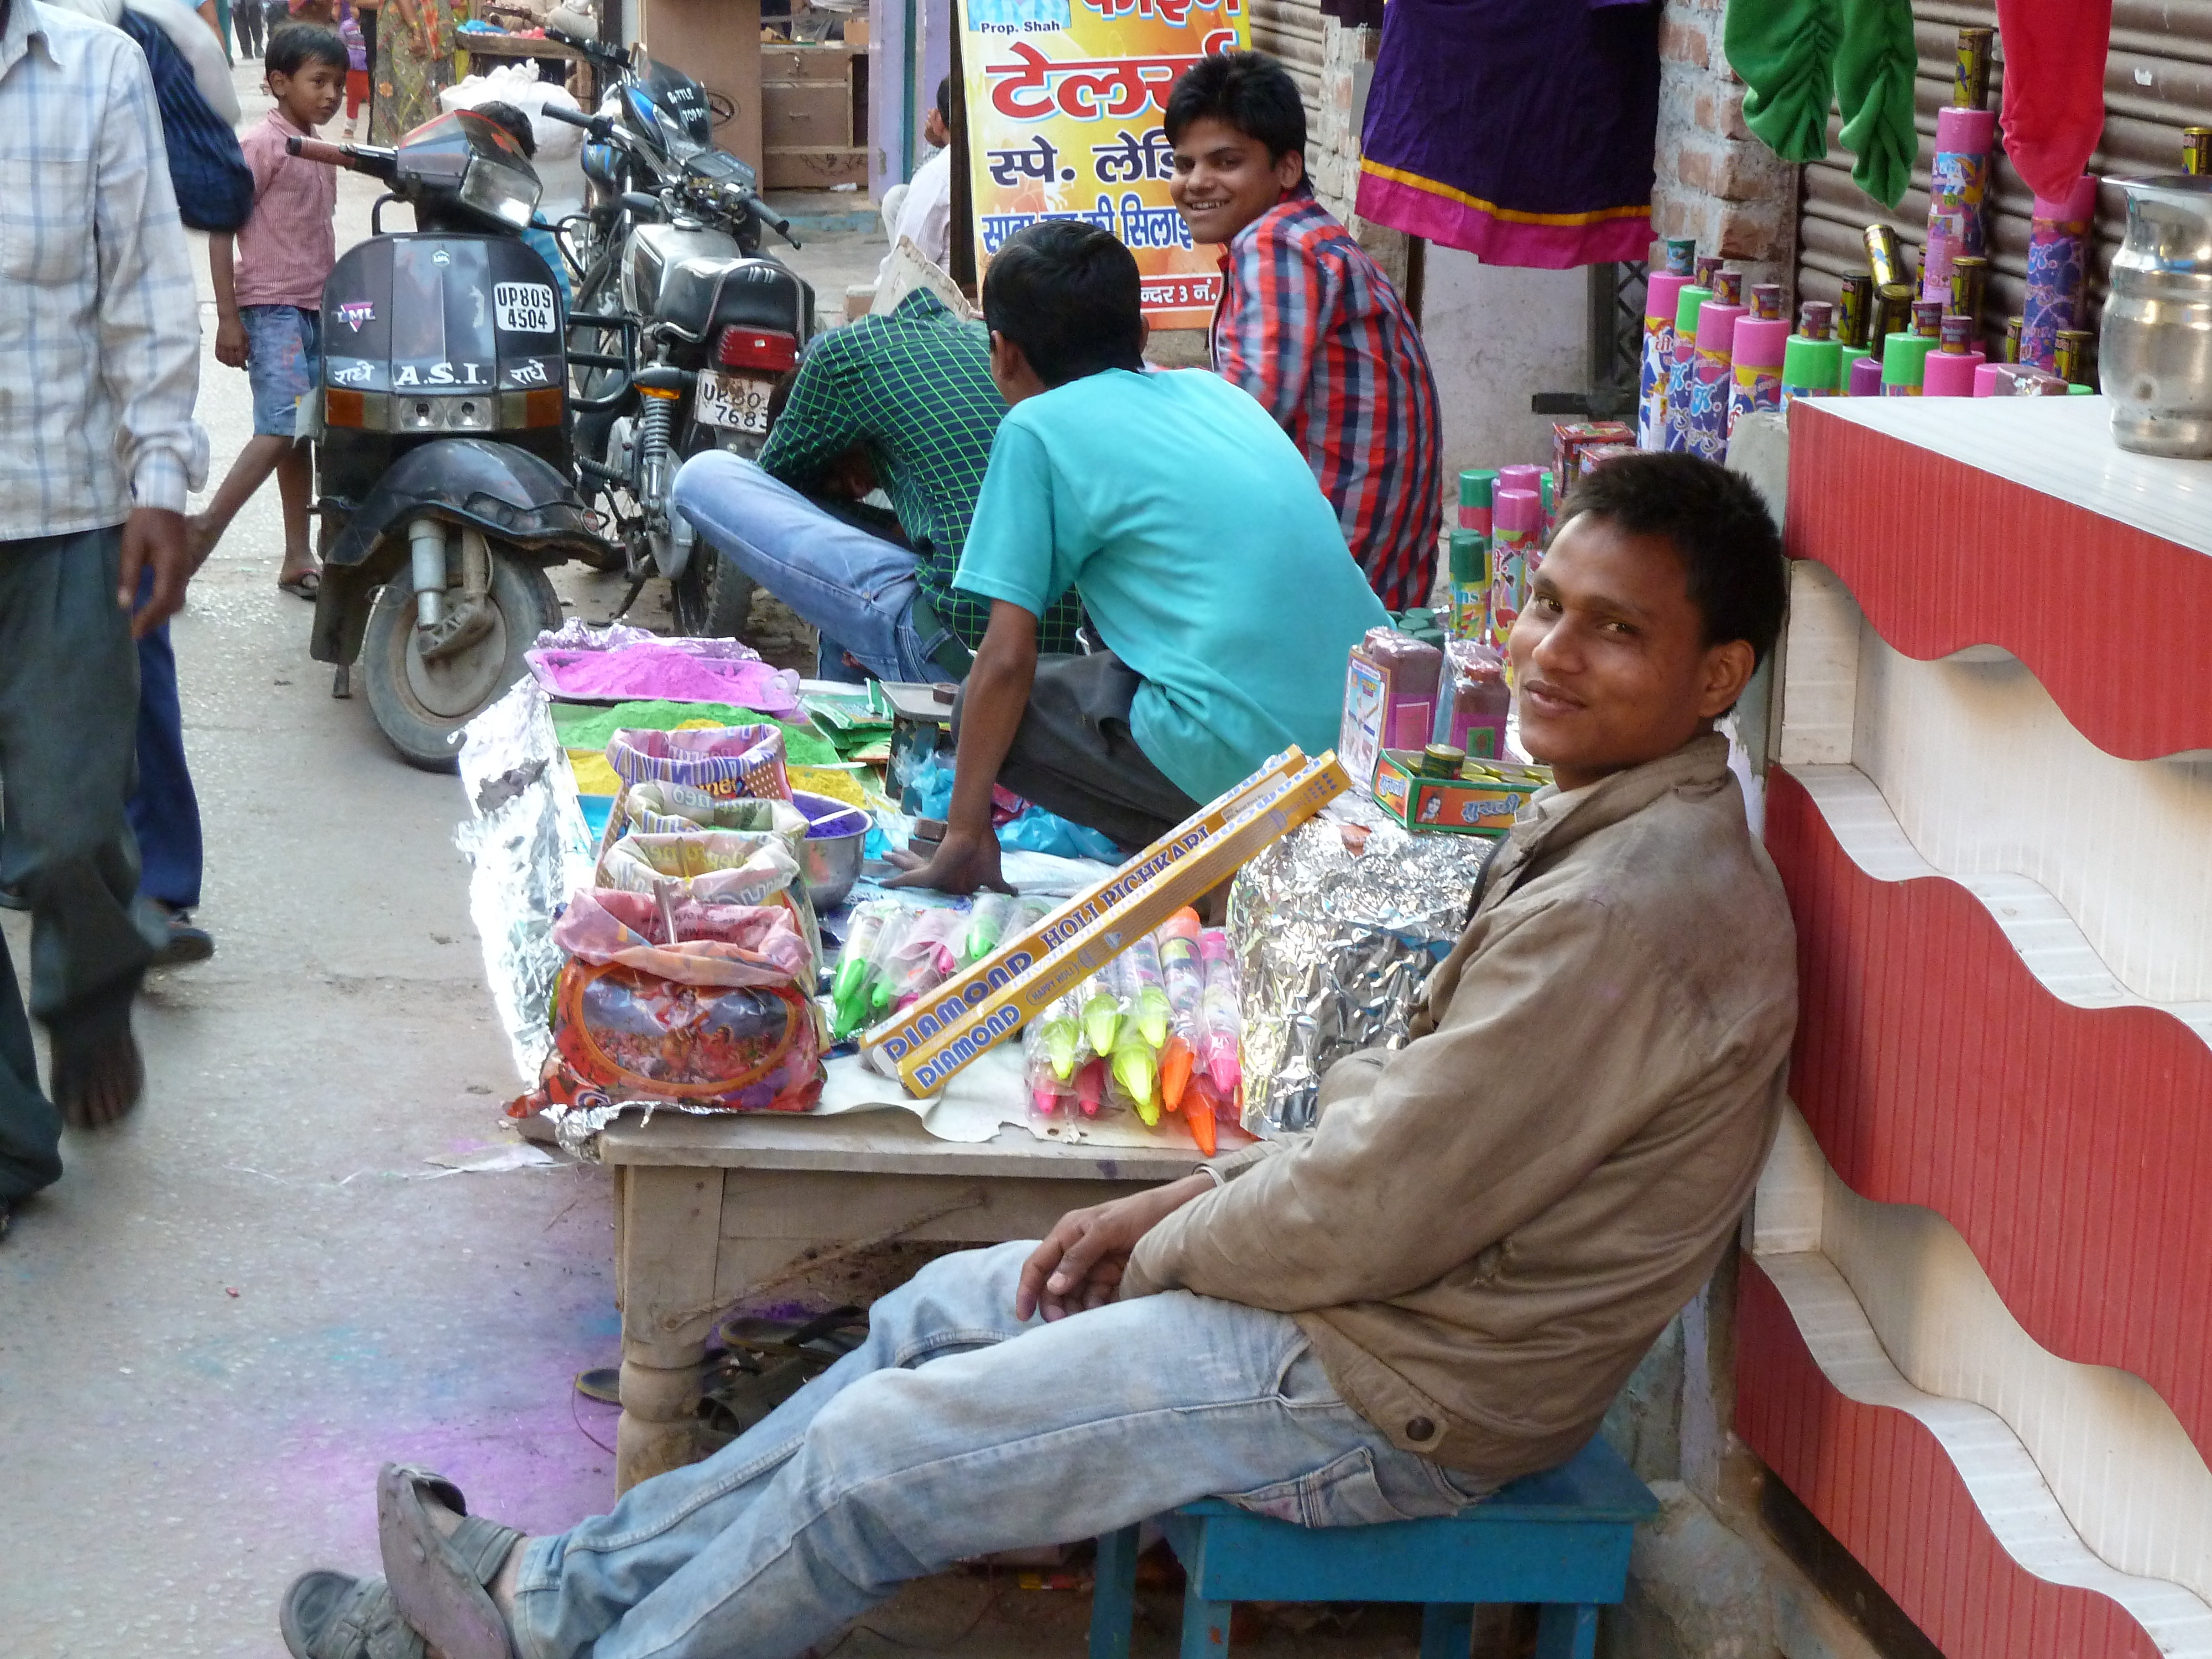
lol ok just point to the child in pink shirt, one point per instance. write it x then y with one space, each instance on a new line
269 298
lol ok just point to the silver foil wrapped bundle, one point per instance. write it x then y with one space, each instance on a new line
1336 929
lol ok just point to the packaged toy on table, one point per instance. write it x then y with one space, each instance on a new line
673 995
1389 693
1049 1058
1473 700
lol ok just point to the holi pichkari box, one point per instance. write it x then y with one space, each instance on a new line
892 1041
1481 800
968 1015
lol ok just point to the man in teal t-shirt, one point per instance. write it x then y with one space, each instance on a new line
1211 565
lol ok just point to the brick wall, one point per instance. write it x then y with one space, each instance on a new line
1716 181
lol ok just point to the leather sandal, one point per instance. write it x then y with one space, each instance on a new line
439 1582
334 1615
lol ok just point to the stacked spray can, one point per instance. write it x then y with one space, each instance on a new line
1812 359
1713 377
1518 522
1757 357
1854 324
1904 352
1662 297
1470 560
1949 372
2057 269
1683 371
1961 177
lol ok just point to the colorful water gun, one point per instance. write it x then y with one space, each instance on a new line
1059 1038
1049 1060
1091 1086
928 955
849 980
986 925
1143 1029
1101 1005
1204 1109
1146 991
1220 1015
883 966
1185 981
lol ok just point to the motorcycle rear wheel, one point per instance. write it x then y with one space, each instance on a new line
421 707
712 598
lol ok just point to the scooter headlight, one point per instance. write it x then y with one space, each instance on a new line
471 412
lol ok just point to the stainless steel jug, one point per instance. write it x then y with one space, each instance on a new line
2154 355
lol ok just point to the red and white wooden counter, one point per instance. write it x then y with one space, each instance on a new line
1975 1332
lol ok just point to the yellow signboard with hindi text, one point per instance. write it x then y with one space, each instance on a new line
1065 99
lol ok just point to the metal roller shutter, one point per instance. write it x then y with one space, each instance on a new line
2158 80
1289 31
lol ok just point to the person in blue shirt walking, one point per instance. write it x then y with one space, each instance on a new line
1211 565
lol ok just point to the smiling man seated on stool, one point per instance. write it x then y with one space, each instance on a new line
1440 1289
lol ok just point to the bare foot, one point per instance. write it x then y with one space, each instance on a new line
98 1074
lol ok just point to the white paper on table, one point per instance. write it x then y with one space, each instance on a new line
987 1094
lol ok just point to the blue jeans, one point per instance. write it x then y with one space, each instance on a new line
857 590
164 809
954 1431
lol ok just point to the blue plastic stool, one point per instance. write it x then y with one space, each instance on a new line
1560 1537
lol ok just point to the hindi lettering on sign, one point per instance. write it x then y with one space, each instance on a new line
1036 160
1130 158
1181 293
1088 89
1150 227
1039 101
1174 11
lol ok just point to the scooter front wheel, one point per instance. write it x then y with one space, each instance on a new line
421 705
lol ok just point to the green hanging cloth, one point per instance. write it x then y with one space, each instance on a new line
1785 53
1793 54
1875 68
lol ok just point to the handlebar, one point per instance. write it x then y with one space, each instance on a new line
351 156
598 125
589 48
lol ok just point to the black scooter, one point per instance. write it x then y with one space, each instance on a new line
442 446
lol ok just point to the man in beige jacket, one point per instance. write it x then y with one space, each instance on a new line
1441 1288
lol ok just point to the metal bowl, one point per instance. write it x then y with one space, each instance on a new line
830 859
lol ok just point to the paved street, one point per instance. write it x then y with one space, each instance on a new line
235 1305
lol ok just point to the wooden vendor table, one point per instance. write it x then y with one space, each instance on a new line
710 1210
470 44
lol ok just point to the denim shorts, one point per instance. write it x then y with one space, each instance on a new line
282 344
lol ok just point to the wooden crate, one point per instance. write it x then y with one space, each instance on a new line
814 115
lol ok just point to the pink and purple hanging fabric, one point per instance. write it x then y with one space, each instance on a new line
1521 131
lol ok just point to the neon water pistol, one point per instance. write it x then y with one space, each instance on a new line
1221 1015
848 983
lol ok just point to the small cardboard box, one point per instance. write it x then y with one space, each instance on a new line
1570 439
1481 801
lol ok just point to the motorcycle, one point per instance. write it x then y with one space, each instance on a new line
441 427
708 326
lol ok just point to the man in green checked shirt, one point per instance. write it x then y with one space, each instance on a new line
903 400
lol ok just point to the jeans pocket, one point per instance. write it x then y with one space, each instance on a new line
1341 1492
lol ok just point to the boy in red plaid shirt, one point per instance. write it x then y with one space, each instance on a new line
1309 325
